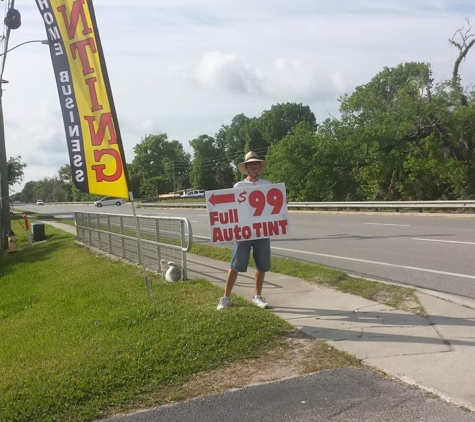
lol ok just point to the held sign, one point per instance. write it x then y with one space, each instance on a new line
254 212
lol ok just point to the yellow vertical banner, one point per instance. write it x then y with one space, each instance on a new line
92 131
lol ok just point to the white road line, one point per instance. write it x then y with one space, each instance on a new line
193 221
385 264
381 224
443 241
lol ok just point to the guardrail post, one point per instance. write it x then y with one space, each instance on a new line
183 250
122 237
98 231
89 228
110 234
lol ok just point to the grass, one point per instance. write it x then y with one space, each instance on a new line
79 339
396 296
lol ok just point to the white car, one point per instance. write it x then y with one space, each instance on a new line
40 202
109 200
194 194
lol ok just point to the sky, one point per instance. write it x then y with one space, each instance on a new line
185 68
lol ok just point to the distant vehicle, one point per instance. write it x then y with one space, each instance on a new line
109 200
40 202
194 194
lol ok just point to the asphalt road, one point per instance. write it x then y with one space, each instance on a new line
424 251
345 394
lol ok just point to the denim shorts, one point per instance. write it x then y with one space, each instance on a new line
242 252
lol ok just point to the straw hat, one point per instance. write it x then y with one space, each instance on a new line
251 157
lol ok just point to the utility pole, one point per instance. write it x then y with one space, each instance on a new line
12 21
173 167
237 170
5 222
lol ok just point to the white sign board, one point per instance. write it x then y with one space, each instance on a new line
254 212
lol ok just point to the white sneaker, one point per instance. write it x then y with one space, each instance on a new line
260 301
224 302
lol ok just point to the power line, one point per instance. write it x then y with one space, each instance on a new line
228 156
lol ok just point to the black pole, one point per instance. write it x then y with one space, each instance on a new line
5 222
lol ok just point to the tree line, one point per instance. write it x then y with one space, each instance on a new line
401 136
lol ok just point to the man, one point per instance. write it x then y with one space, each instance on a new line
251 167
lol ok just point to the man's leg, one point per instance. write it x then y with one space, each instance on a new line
261 252
230 280
239 261
258 282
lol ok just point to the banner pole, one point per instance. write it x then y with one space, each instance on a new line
139 241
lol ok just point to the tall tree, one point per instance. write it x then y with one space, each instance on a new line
463 40
389 117
292 161
231 139
205 162
153 164
279 121
15 170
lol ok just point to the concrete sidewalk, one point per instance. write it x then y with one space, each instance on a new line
436 352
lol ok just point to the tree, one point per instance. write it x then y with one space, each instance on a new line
206 160
387 119
28 192
15 170
279 121
232 140
152 168
292 160
464 46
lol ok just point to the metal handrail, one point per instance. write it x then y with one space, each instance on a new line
183 219
190 234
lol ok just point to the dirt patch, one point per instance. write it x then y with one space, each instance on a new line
383 297
299 355
412 305
407 303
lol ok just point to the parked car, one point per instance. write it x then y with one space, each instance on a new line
194 194
109 200
39 202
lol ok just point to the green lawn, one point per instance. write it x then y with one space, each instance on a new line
79 339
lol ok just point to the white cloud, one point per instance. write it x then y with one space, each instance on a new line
225 71
286 80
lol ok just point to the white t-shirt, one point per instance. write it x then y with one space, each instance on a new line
245 183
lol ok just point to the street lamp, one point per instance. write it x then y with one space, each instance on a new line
23 43
5 221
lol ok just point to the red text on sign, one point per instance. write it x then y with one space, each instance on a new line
228 217
260 230
258 201
108 166
270 228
